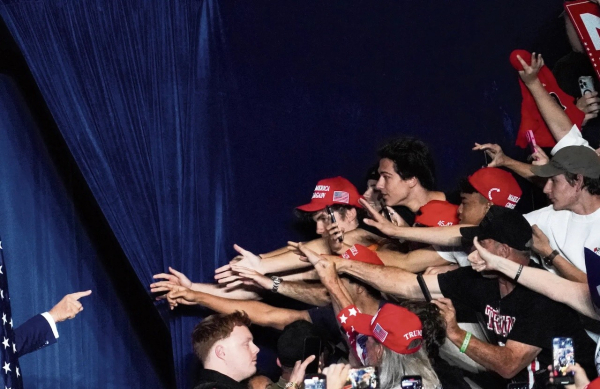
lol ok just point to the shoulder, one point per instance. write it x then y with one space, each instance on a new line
541 215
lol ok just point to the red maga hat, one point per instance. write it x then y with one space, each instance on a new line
361 253
497 185
332 191
395 327
437 213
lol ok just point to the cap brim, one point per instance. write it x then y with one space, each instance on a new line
311 207
547 170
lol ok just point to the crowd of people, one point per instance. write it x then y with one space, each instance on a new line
468 295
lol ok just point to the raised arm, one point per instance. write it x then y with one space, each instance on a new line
414 261
574 294
555 117
258 312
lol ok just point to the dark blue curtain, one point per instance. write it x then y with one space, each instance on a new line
49 254
197 123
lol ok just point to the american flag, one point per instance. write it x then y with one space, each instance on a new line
11 372
339 196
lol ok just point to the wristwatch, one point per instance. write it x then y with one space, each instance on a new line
293 385
276 282
550 258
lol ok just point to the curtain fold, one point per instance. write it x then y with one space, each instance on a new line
139 90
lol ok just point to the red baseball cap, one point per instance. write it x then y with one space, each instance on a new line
437 213
395 327
361 253
332 191
595 384
497 185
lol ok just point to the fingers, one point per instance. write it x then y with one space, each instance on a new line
307 361
168 277
372 211
239 249
233 285
222 269
229 279
224 274
79 295
523 63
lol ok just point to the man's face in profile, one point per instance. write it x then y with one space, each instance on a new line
240 353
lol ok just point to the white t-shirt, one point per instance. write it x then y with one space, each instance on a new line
453 254
569 232
573 138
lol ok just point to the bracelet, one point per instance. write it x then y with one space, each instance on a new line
465 343
550 258
276 283
518 273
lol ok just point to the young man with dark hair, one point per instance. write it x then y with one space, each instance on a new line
224 345
407 174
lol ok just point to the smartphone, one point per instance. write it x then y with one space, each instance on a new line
531 141
312 346
332 216
386 212
363 378
485 159
586 84
424 288
315 381
563 356
411 381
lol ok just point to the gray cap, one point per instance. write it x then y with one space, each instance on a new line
571 159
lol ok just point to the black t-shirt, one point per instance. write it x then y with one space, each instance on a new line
523 316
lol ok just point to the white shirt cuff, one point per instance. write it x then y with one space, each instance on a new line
50 320
573 138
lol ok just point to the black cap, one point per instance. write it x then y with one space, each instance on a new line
290 345
503 225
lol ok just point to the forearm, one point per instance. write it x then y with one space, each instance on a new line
243 292
289 260
274 253
310 293
302 275
496 358
568 270
555 117
259 313
521 168
415 261
383 278
575 295
340 298
443 236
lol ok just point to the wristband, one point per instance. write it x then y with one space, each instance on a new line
518 273
550 258
465 343
276 283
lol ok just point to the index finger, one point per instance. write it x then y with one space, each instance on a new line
78 295
523 63
307 361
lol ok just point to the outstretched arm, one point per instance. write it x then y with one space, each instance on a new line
443 236
574 294
414 261
258 312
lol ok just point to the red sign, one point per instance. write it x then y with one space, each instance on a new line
585 16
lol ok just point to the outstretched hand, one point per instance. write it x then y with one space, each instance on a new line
377 220
325 266
226 274
68 307
179 295
529 74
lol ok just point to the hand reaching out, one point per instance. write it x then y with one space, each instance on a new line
68 307
377 220
252 277
225 274
481 259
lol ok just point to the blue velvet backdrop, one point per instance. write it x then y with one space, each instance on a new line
49 254
200 123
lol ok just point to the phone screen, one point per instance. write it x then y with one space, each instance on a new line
363 378
315 381
386 212
312 346
563 356
411 381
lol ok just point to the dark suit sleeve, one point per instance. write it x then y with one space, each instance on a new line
33 335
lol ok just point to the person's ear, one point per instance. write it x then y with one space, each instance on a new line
379 352
579 183
220 351
412 182
351 214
